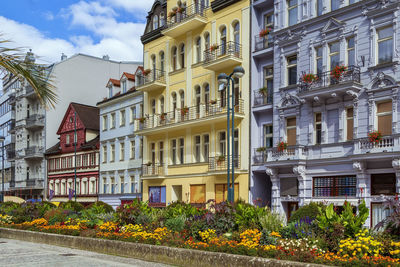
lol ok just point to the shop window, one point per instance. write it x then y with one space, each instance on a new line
198 194
383 184
157 195
337 186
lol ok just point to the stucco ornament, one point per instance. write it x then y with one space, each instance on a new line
396 164
271 172
359 166
299 170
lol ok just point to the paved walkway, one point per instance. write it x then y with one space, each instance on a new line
21 253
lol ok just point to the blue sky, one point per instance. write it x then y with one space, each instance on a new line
95 27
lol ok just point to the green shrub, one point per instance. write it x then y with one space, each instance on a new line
100 207
54 216
311 210
181 208
176 224
6 208
272 222
71 205
247 216
129 213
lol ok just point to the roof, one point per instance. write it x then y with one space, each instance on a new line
54 149
130 91
92 143
130 76
89 115
115 82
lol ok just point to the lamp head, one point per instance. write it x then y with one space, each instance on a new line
223 79
238 72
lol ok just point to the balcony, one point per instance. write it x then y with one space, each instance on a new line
12 127
261 99
153 170
223 56
290 153
220 163
11 154
35 122
263 4
12 99
326 85
191 18
388 144
199 115
154 80
34 183
34 153
262 43
29 92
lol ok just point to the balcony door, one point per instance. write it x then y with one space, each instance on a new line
333 126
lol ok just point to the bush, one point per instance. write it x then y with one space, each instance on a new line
222 220
57 215
129 213
247 216
271 222
100 207
182 208
71 205
176 224
8 207
311 210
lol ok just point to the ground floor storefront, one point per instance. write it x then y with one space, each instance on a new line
194 190
118 199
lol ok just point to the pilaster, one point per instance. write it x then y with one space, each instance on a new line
275 190
304 184
396 167
363 190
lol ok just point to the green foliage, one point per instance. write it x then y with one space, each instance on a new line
266 239
176 224
247 216
311 210
8 207
71 205
180 208
56 215
100 207
271 222
129 213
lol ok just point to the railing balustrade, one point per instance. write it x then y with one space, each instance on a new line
228 49
263 42
220 163
153 169
186 14
151 77
262 98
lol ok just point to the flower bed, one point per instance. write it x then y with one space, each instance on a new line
237 229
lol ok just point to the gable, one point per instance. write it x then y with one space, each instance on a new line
333 25
68 122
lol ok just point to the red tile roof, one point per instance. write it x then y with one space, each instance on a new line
115 82
130 76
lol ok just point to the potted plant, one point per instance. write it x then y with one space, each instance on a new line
163 116
220 159
146 72
213 47
261 149
171 14
142 120
265 32
213 102
184 111
309 78
338 71
181 9
263 91
282 146
375 137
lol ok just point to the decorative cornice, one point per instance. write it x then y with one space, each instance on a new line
151 36
218 5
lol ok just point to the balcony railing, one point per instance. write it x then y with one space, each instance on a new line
35 120
188 114
389 143
220 163
29 91
34 182
259 157
10 154
153 169
262 98
325 79
152 77
229 49
261 43
188 13
34 151
290 153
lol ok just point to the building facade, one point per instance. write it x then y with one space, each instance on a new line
335 80
120 147
186 46
76 79
73 166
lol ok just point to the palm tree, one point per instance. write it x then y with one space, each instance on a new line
12 60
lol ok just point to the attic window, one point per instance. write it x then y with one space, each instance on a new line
124 86
110 93
71 119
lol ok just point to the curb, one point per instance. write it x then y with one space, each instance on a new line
161 254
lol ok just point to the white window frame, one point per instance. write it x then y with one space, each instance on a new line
383 40
133 149
105 122
122 151
122 118
112 122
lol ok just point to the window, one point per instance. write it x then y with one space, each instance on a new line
157 195
124 86
351 55
104 185
385 45
207 40
104 154
383 184
112 153
181 150
153 107
269 20
182 98
173 151
198 194
132 150
110 92
112 185
174 103
197 99
236 35
161 152
318 127
67 141
122 118
268 136
292 12
162 105
318 61
336 186
153 64
222 143
133 184
197 146
334 55
269 81
141 149
292 70
221 192
153 152
122 151
174 58
198 50
105 122
384 114
162 19
84 188
207 96
121 179
335 4
291 131
93 189
79 159
155 22
206 147
378 213
112 120
162 62
349 123
182 55
319 7
133 115
223 41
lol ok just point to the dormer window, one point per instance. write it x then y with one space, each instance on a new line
155 22
110 92
124 86
162 19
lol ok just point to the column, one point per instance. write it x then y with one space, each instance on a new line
276 191
363 189
396 167
305 186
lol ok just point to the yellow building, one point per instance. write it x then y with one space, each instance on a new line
184 122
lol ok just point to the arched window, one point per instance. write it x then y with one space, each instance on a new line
236 36
174 58
207 95
155 22
182 55
182 98
207 40
223 40
174 103
153 63
162 19
162 105
197 91
198 50
153 106
162 62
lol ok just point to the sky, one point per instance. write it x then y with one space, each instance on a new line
93 27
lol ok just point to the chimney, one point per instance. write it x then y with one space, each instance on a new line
106 57
63 57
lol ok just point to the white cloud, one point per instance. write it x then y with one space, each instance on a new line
136 7
48 16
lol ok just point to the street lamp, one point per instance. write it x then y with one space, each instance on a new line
225 81
2 138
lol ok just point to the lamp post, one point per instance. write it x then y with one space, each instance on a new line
225 81
2 138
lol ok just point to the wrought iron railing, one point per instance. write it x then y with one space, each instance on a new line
263 98
259 156
263 42
186 114
151 77
328 78
220 163
187 13
153 169
34 182
229 49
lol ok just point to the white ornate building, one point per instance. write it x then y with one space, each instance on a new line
325 118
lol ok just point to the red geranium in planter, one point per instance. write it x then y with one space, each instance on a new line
375 137
338 71
282 146
265 32
309 78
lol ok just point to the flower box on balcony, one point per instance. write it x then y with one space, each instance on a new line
171 14
213 47
375 137
263 91
213 102
338 71
184 111
163 116
261 149
265 32
282 146
142 120
309 78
